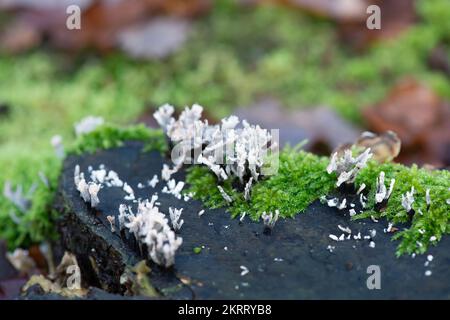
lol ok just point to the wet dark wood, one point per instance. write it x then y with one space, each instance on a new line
290 263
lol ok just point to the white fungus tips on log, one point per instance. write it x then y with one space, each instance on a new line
342 205
150 227
244 270
112 222
247 189
152 183
427 197
174 188
361 188
362 200
346 166
382 193
270 218
223 148
93 189
408 199
175 215
225 196
87 124
164 115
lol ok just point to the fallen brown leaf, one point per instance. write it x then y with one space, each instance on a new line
419 117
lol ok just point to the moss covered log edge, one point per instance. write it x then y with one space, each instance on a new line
301 179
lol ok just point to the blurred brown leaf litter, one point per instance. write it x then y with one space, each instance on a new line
420 118
104 23
351 16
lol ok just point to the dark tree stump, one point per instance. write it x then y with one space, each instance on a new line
292 262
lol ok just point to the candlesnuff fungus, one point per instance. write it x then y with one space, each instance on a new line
57 144
88 191
408 199
87 124
270 218
382 193
150 227
225 196
346 166
20 200
224 149
175 215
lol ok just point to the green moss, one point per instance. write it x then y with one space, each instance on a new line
234 56
109 136
435 220
302 179
197 250
38 223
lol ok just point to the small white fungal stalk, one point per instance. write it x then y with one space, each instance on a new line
225 196
247 189
270 218
57 144
382 193
408 199
112 222
20 200
87 124
346 166
154 181
175 215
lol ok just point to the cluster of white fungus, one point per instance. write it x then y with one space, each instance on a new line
150 227
88 190
225 149
346 166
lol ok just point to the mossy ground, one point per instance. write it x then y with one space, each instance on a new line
234 56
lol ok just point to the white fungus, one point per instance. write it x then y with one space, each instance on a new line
382 193
175 215
346 229
223 148
225 196
152 183
112 221
87 124
346 166
244 270
333 237
408 199
361 188
151 227
270 218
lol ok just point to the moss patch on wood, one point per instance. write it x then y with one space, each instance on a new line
302 179
37 224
